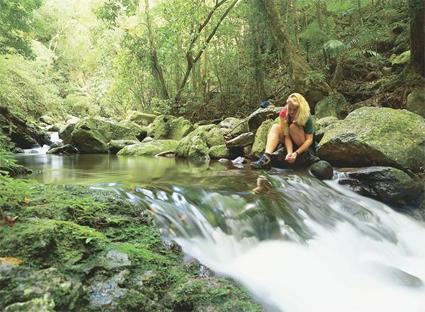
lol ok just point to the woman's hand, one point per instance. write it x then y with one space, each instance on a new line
290 158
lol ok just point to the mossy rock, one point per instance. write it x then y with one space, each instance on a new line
261 138
142 119
59 242
219 151
41 290
322 125
416 102
372 136
232 126
170 127
196 146
89 141
401 59
109 129
332 105
151 148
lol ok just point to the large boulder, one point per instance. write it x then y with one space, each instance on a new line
196 145
256 119
416 102
332 105
241 140
261 138
372 136
389 185
233 127
142 119
151 148
91 135
89 141
115 146
170 127
21 131
322 125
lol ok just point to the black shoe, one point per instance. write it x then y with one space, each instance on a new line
264 162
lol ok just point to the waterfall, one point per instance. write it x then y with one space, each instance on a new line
305 246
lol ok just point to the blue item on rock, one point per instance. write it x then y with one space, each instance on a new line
264 104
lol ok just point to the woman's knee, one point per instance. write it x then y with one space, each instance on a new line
276 128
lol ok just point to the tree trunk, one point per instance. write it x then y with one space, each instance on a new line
193 59
299 70
156 67
417 35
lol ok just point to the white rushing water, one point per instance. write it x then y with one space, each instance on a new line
54 138
337 268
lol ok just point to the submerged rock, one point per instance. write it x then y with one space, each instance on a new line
372 136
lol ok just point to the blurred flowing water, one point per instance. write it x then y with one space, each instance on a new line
305 245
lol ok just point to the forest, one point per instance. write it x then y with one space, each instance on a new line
204 81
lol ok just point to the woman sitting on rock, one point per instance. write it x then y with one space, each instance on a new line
295 131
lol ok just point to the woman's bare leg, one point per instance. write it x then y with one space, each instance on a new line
297 134
273 138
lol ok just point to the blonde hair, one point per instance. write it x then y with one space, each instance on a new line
302 114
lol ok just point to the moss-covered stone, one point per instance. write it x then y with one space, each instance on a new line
401 59
197 144
416 102
332 105
376 136
261 138
219 151
170 127
142 119
151 148
86 249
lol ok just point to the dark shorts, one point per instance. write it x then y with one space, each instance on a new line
303 160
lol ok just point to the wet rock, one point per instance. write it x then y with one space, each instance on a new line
332 105
372 136
256 119
150 148
66 149
44 288
386 184
322 170
114 259
115 146
241 140
261 138
43 304
107 292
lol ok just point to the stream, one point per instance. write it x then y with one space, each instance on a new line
305 245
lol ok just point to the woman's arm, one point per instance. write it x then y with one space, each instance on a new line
305 146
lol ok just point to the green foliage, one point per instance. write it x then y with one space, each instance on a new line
25 87
15 24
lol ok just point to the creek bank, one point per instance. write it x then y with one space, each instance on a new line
79 249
